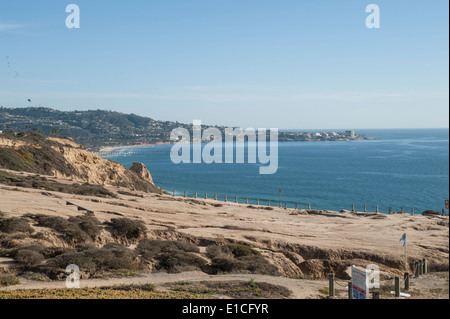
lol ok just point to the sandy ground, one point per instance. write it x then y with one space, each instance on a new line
271 231
430 286
198 217
301 289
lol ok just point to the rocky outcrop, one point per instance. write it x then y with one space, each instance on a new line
142 172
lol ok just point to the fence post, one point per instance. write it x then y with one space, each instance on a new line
378 209
226 198
174 193
353 208
365 209
397 287
309 206
215 196
206 195
350 290
420 268
425 266
407 283
331 284
195 196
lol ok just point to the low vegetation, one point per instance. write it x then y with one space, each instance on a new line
29 258
127 228
96 261
239 258
89 224
8 281
22 240
70 230
234 289
15 225
39 182
171 256
122 292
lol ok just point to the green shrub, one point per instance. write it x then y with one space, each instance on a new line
128 228
9 281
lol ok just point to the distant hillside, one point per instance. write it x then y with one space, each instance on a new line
89 128
98 128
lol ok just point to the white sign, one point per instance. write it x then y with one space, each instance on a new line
360 283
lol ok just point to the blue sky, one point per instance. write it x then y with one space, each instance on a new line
251 63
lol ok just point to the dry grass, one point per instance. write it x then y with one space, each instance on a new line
234 289
127 292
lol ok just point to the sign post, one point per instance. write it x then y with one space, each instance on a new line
360 283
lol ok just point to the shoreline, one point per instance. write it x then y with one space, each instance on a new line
110 149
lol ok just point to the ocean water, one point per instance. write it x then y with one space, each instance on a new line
400 169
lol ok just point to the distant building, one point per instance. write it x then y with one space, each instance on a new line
350 134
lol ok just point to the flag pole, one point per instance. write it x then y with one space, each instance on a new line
406 255
406 261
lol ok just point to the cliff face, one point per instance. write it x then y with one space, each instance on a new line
142 172
63 157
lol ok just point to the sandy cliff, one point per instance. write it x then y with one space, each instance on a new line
62 157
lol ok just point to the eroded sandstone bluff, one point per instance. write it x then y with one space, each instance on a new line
62 157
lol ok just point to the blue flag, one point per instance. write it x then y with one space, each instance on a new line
403 239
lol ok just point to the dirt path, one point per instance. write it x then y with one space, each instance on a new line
301 289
